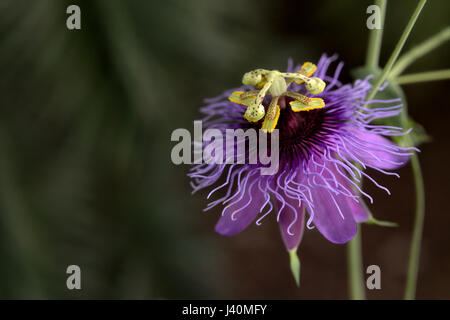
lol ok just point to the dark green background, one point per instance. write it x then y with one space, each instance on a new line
85 171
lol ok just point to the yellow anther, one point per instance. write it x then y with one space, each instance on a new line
237 97
255 77
307 104
272 115
254 113
315 85
270 121
307 70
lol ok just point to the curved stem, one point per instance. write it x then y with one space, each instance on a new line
354 266
397 50
414 253
422 49
423 77
354 252
374 46
354 247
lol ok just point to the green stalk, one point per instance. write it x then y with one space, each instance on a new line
375 37
419 51
414 253
397 50
355 267
354 247
354 253
416 240
424 77
413 264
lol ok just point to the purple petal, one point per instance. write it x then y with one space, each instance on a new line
359 209
237 216
333 218
292 222
379 152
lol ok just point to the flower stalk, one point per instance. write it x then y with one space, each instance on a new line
419 217
419 51
354 252
423 77
398 48
355 267
414 254
354 248
375 37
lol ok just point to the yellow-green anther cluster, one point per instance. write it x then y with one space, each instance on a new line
252 78
315 85
275 83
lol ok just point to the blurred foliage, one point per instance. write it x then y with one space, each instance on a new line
85 124
85 175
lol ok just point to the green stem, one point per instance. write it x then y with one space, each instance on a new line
397 50
374 46
424 76
354 265
354 247
354 253
414 253
422 49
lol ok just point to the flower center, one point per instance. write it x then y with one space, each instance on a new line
297 127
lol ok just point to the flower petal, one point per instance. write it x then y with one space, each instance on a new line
333 215
379 152
292 222
359 209
239 214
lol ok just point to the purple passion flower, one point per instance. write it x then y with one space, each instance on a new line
323 152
